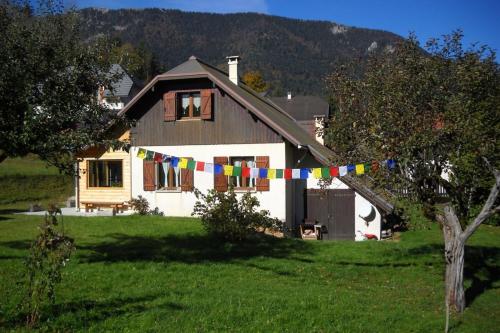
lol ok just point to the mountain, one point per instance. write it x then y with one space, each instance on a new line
291 54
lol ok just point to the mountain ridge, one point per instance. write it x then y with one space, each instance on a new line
292 54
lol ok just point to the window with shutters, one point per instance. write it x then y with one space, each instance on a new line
247 180
169 178
242 182
105 173
188 105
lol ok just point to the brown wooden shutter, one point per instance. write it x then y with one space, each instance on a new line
262 184
220 181
169 105
206 104
187 179
148 174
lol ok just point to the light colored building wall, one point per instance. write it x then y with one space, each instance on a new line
182 203
105 194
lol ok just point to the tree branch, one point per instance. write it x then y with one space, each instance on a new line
488 209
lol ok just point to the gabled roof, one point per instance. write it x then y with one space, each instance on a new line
265 109
303 107
121 87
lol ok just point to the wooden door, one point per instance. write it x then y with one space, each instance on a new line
334 209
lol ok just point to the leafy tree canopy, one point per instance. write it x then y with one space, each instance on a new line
48 83
254 80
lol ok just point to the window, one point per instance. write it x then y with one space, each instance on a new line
169 178
172 179
188 105
240 182
106 173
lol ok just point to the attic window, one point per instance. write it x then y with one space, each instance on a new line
188 105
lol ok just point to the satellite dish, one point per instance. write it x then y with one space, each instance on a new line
368 214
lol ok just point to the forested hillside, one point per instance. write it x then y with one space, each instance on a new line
291 54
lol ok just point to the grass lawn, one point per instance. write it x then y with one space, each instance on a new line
156 274
28 180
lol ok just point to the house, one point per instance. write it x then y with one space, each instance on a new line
310 112
197 112
104 175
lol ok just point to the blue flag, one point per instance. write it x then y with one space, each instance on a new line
217 169
262 173
351 168
174 161
304 173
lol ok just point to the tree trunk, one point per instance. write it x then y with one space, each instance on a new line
454 256
3 155
454 248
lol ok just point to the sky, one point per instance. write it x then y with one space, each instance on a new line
479 19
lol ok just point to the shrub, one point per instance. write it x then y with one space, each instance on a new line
49 253
140 205
224 216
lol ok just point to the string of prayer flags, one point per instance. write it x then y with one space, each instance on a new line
248 171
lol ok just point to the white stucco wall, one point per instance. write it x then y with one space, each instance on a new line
182 203
362 208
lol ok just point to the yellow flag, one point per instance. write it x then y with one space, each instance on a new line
183 163
360 169
317 173
271 173
228 170
141 153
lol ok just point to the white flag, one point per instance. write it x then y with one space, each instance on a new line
295 173
209 167
342 171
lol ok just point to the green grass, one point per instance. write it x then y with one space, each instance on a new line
155 274
25 181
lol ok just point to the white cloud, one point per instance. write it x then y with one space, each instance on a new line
217 6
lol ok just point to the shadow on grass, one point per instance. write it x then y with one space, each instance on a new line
482 267
82 312
191 249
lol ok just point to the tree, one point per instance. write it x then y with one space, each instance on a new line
254 80
435 111
48 84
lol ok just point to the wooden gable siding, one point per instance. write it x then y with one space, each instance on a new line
231 123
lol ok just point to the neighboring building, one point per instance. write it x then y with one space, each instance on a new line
310 112
121 91
197 111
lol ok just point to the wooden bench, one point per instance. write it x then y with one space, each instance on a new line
118 207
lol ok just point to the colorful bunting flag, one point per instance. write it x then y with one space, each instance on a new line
271 173
245 172
200 166
295 173
209 167
350 168
375 166
237 171
304 173
391 164
191 164
174 161
183 163
334 171
317 173
360 169
150 155
158 158
279 173
166 158
228 170
218 169
342 171
254 172
288 173
262 173
325 172
141 153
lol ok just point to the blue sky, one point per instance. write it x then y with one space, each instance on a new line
479 19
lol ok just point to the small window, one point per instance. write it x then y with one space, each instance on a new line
169 178
105 173
240 182
188 105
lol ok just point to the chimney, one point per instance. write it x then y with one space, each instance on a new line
232 62
289 95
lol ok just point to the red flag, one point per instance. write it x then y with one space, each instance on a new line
334 171
375 166
200 166
245 172
288 173
158 157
